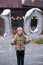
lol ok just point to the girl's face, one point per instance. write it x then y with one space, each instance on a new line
20 32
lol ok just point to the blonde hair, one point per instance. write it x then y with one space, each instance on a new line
23 34
19 28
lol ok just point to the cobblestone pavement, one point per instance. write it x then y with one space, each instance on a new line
33 54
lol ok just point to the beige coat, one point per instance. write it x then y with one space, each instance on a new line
20 42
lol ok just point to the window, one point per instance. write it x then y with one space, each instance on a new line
33 23
17 20
2 27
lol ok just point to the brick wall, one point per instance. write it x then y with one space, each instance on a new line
9 3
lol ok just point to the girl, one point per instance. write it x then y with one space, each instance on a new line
20 41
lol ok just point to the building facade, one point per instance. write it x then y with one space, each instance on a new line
19 3
18 10
10 3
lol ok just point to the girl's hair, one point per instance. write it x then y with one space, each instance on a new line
19 28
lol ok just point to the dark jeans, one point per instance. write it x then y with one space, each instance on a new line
20 57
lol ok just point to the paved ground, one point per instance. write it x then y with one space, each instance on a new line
33 54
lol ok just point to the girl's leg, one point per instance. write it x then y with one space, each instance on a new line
22 57
18 57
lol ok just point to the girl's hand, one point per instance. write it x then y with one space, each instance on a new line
31 40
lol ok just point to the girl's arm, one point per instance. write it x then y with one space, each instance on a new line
28 40
13 41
